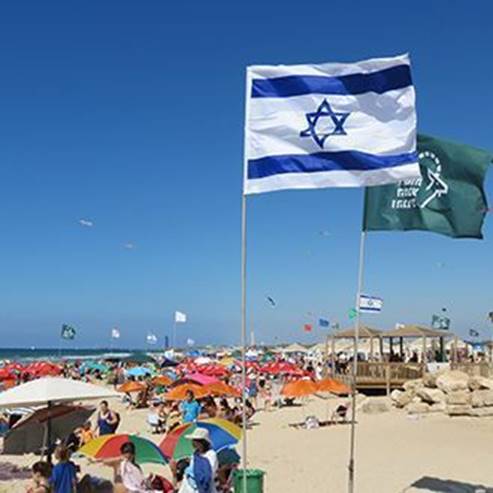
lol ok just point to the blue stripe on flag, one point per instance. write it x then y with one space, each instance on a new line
297 85
325 161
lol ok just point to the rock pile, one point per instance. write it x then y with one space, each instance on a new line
451 392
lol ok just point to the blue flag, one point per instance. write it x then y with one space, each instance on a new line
323 322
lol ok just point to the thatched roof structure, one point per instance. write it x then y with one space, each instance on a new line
363 333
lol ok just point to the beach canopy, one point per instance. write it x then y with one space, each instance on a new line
52 390
364 332
222 389
416 331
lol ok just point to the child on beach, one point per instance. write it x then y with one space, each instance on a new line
64 475
86 433
41 478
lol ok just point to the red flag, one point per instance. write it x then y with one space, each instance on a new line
307 327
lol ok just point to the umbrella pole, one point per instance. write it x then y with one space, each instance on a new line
48 435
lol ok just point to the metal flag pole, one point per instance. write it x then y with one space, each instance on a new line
244 462
355 362
174 332
243 339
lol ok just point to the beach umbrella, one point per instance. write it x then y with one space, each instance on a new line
108 447
333 386
223 434
52 390
162 380
49 391
299 388
179 393
222 389
139 371
6 374
93 366
129 387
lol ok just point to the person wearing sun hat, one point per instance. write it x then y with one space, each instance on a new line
200 474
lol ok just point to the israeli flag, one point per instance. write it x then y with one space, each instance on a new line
330 125
370 304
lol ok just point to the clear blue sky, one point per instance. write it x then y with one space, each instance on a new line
130 114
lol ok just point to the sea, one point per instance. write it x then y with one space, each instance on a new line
56 354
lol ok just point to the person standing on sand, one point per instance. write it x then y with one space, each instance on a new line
190 408
107 421
64 475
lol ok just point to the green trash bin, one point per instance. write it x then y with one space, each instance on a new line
254 479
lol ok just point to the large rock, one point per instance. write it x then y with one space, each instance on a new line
482 412
430 380
375 406
482 398
439 407
459 410
430 395
459 398
418 408
413 385
452 381
479 383
400 398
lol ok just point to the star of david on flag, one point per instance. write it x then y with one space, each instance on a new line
330 125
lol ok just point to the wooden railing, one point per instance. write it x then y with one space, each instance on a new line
384 375
482 369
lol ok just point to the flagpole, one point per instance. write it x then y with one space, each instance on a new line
174 333
243 338
351 465
244 463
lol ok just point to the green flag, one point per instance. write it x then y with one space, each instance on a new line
68 332
448 198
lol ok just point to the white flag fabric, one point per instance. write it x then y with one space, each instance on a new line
190 342
370 304
151 338
330 125
115 334
180 317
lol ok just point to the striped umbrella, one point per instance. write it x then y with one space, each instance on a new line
223 434
108 447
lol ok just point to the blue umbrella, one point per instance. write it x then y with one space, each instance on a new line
139 371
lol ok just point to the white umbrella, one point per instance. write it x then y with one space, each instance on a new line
51 390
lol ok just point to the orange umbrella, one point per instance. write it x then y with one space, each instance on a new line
222 389
299 388
129 387
162 380
333 386
180 392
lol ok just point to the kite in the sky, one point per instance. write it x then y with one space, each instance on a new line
270 300
86 223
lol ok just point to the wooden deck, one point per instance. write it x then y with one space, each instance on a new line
389 376
383 376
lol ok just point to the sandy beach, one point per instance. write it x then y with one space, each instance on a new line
395 453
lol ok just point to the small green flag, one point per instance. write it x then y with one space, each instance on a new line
68 332
439 322
448 198
352 313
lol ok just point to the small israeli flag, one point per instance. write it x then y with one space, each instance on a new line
330 125
370 304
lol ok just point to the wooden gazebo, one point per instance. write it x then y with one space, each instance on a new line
416 332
